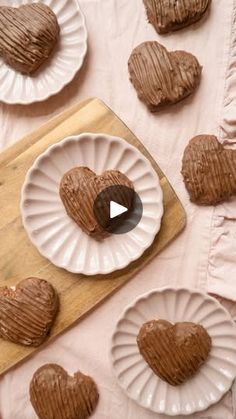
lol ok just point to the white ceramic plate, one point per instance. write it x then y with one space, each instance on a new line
57 236
61 67
213 379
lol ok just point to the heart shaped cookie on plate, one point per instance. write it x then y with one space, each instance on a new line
56 395
209 170
79 189
27 311
171 15
161 77
174 351
28 35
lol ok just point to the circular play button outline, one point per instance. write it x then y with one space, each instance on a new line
124 202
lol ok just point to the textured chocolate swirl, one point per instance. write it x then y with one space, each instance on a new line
28 35
79 189
171 15
56 395
174 352
209 170
28 311
161 77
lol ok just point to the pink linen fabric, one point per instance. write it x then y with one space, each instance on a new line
203 256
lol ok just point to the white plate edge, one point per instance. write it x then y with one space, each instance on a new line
61 143
145 296
55 92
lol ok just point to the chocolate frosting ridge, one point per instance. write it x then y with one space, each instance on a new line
56 395
171 15
28 35
79 189
209 170
28 311
161 77
174 352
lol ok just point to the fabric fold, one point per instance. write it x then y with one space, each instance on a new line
228 123
221 269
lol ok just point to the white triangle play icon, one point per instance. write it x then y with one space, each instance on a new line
116 209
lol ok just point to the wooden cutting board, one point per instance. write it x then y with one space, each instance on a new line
19 259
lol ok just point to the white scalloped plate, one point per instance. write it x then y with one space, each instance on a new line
213 379
61 67
57 236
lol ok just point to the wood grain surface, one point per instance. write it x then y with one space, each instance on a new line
19 259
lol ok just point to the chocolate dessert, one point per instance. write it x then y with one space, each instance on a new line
174 351
56 395
79 189
28 35
209 170
171 15
27 311
161 77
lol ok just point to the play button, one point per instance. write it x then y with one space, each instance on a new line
118 209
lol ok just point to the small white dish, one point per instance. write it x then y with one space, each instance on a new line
57 236
61 67
214 377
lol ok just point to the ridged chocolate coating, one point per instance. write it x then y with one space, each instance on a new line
27 313
56 395
171 15
161 77
209 170
79 189
174 352
28 35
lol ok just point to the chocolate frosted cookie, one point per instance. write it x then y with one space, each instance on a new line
161 77
171 15
27 311
56 395
209 170
79 189
174 351
28 35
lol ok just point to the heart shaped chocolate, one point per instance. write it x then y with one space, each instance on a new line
28 35
161 77
209 170
171 15
79 189
27 311
174 351
56 395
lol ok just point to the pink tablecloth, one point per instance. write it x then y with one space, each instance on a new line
204 254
